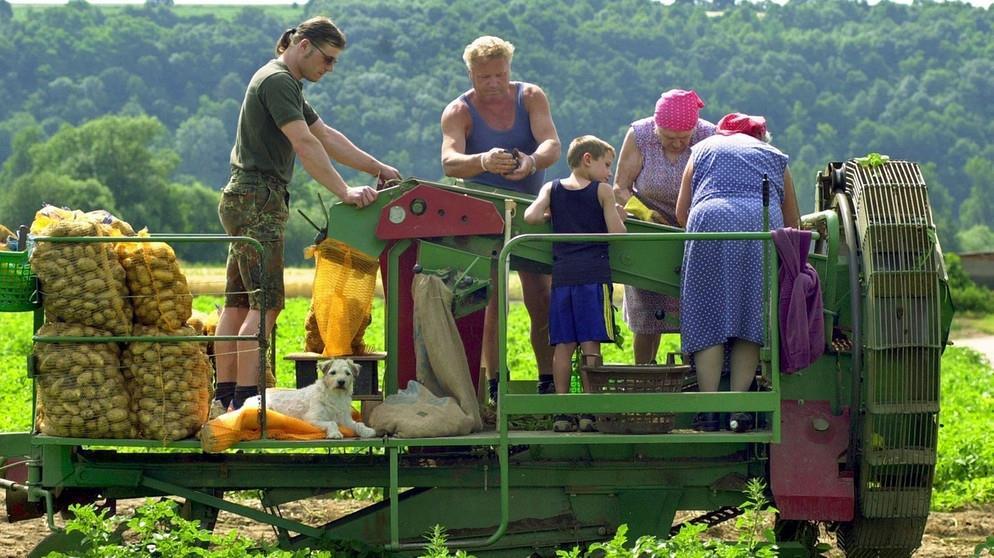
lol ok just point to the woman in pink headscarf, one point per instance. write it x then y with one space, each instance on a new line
650 165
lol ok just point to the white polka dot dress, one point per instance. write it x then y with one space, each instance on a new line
721 290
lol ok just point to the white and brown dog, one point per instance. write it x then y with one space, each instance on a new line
327 403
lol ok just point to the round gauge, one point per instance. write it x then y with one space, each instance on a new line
397 215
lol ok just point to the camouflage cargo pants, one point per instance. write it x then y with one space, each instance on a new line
254 205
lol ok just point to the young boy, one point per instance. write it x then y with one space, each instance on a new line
580 309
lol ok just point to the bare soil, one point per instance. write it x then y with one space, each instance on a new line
947 535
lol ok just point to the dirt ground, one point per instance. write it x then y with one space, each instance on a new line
947 535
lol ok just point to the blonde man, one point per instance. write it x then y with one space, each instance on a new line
500 132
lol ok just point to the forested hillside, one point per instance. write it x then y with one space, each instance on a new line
133 108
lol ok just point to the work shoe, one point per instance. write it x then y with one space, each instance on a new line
707 422
564 423
741 422
587 423
545 384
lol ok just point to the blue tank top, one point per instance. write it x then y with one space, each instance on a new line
578 211
483 138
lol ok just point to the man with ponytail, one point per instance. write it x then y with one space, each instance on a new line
276 126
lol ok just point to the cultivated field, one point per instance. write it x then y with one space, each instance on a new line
963 500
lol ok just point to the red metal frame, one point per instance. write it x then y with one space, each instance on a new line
432 212
429 212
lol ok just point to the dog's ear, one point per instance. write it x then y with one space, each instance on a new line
355 368
324 366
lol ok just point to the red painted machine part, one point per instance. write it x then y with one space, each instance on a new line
426 212
804 467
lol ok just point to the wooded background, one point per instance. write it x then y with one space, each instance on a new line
133 108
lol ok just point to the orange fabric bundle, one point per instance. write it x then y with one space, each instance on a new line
230 428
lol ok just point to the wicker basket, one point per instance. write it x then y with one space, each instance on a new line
18 285
645 378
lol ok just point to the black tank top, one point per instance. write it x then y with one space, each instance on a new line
578 211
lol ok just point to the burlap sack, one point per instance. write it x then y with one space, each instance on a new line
415 412
440 355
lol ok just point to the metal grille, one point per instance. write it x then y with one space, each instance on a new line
902 266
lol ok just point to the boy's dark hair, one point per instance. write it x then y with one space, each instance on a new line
320 30
586 144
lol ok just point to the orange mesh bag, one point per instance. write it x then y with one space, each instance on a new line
81 283
312 337
81 391
170 384
342 299
4 234
160 294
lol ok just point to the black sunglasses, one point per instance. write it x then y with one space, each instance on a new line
328 60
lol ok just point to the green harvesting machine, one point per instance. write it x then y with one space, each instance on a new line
849 442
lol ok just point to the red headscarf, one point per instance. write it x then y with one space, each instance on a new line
677 110
738 123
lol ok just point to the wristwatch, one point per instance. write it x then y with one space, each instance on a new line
534 165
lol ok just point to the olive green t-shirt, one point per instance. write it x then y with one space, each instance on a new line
273 99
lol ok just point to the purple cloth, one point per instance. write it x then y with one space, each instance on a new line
802 319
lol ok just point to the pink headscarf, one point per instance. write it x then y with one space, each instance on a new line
738 123
677 110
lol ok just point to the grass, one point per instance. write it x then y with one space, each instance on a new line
970 324
964 474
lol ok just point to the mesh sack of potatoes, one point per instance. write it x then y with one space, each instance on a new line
110 222
312 336
196 321
82 283
170 384
81 390
159 292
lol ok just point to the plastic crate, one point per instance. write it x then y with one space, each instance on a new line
18 285
644 378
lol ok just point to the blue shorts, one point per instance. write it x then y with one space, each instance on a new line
579 313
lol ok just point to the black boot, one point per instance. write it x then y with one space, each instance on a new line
741 422
545 384
492 389
707 422
224 393
241 394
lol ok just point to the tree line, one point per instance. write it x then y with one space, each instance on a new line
133 109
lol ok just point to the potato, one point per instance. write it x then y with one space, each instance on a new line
117 415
